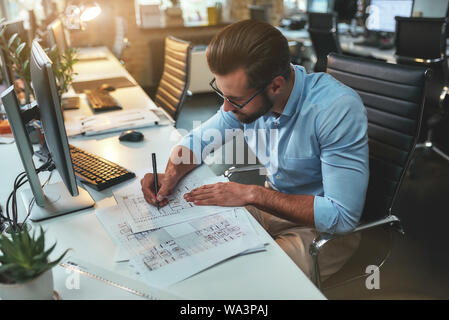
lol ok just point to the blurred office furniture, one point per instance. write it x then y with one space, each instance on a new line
422 41
258 13
323 33
149 15
380 23
175 79
394 99
346 10
200 75
121 41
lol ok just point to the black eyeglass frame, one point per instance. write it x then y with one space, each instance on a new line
234 104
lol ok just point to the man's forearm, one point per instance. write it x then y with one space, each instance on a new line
292 207
181 162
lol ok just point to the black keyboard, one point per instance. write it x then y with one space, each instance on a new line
100 100
97 172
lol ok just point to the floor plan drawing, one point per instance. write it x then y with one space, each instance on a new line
143 216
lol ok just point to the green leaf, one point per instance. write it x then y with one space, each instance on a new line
12 39
26 65
20 48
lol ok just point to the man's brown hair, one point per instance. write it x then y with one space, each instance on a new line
256 46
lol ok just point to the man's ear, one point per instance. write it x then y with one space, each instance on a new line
277 85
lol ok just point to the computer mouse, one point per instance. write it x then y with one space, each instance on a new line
107 87
131 135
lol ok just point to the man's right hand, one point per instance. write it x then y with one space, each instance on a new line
166 185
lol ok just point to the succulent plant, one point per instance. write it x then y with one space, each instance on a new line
23 256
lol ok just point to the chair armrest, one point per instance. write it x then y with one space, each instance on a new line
323 238
229 172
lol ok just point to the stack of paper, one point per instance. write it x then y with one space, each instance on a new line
179 240
111 122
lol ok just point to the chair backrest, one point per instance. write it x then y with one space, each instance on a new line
175 79
394 97
323 33
422 41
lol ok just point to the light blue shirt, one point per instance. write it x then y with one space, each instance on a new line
320 147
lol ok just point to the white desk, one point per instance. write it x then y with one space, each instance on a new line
264 275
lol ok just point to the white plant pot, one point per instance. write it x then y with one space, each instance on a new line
40 288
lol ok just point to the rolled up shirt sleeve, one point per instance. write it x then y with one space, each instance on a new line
210 134
342 132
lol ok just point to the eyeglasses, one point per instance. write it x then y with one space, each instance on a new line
234 104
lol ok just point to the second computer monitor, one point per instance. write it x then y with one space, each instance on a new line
318 6
382 14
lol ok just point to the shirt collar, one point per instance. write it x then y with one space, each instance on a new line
292 105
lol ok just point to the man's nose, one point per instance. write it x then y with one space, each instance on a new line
227 106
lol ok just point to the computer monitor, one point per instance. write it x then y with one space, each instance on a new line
382 14
318 6
58 198
11 27
346 10
57 36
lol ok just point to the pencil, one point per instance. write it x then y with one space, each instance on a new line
156 183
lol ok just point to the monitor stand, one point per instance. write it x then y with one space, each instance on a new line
58 201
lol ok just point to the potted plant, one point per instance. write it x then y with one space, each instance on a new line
63 67
25 268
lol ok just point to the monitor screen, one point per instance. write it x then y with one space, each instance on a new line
381 14
318 6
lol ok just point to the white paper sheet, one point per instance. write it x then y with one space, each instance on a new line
143 216
111 122
163 257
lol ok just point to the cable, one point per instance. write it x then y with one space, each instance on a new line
30 205
11 204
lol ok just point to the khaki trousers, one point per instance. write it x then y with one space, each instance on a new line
295 240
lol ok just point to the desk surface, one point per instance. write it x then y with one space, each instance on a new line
264 275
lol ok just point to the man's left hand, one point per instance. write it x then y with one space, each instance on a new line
227 194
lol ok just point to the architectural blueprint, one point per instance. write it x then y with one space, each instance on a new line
143 216
168 255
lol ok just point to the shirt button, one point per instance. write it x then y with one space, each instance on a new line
278 176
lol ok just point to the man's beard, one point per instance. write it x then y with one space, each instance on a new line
266 106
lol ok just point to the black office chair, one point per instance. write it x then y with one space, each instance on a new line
422 41
174 84
323 33
394 98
